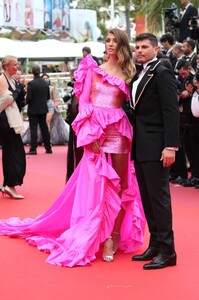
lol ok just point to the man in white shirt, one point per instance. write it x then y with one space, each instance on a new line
155 119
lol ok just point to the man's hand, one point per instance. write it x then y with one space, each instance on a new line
168 157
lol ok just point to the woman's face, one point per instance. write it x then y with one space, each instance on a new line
46 78
12 67
111 44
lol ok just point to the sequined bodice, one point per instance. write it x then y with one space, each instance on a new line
104 94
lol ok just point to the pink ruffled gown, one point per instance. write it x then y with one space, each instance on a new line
83 215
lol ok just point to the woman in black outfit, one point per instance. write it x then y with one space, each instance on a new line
13 154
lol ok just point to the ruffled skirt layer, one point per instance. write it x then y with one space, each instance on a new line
83 216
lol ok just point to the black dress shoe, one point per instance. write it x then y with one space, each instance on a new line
161 261
190 182
49 151
31 152
178 180
172 177
149 254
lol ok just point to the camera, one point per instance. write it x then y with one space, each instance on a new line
193 22
194 28
171 19
190 77
171 13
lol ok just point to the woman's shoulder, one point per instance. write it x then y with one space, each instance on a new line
108 70
113 79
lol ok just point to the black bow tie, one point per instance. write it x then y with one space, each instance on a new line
139 68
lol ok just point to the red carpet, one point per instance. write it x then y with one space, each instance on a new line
25 275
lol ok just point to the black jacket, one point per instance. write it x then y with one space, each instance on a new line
155 114
38 93
185 32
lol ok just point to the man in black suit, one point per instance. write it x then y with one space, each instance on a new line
167 41
86 51
37 95
184 23
20 90
155 119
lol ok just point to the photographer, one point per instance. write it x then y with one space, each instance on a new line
189 124
171 18
188 13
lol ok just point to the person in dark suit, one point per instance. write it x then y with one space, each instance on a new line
155 119
167 41
189 52
87 51
21 102
37 95
185 18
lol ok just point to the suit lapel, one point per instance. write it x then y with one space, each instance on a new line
143 83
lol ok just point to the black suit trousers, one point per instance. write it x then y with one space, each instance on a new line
179 168
153 181
34 120
13 154
191 140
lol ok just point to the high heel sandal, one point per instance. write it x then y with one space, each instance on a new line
116 241
10 191
108 250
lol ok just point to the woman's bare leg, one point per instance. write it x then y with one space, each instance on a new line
49 117
120 165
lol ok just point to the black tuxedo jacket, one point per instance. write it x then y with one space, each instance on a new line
38 93
185 32
192 59
155 113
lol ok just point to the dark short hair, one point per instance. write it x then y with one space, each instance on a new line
190 42
147 36
36 70
183 64
45 74
86 49
167 37
165 61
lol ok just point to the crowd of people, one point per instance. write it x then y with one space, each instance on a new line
184 61
129 153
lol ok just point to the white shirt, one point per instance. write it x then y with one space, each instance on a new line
184 10
141 75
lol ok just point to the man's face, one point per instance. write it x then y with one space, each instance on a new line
17 75
84 53
186 48
184 2
164 45
145 51
183 72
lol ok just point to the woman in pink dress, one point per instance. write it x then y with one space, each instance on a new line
100 204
